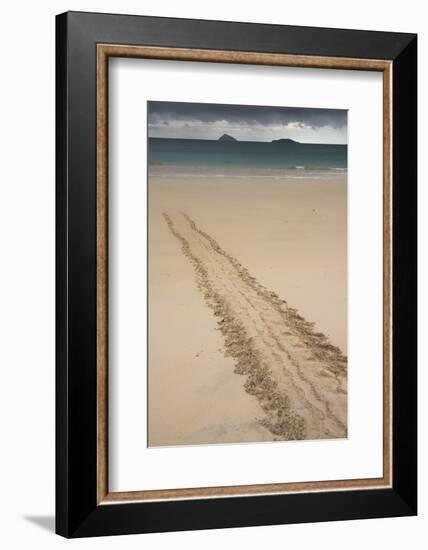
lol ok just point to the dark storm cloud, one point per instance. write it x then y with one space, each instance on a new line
162 113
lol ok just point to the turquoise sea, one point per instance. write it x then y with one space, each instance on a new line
258 158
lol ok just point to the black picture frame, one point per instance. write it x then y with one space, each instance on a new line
77 512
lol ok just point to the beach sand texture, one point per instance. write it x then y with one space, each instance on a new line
232 354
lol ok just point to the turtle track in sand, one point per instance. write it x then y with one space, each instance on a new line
298 377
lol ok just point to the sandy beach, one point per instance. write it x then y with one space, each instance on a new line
247 309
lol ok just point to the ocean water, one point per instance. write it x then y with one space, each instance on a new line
196 158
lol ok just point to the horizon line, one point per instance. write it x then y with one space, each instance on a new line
249 141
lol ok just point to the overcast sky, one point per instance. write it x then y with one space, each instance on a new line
246 123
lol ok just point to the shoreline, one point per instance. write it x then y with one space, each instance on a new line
184 171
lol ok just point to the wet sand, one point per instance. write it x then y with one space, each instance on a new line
234 286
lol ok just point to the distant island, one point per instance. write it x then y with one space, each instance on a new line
226 137
286 140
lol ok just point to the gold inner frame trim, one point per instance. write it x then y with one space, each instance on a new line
104 51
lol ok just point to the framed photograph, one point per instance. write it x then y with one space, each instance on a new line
236 274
